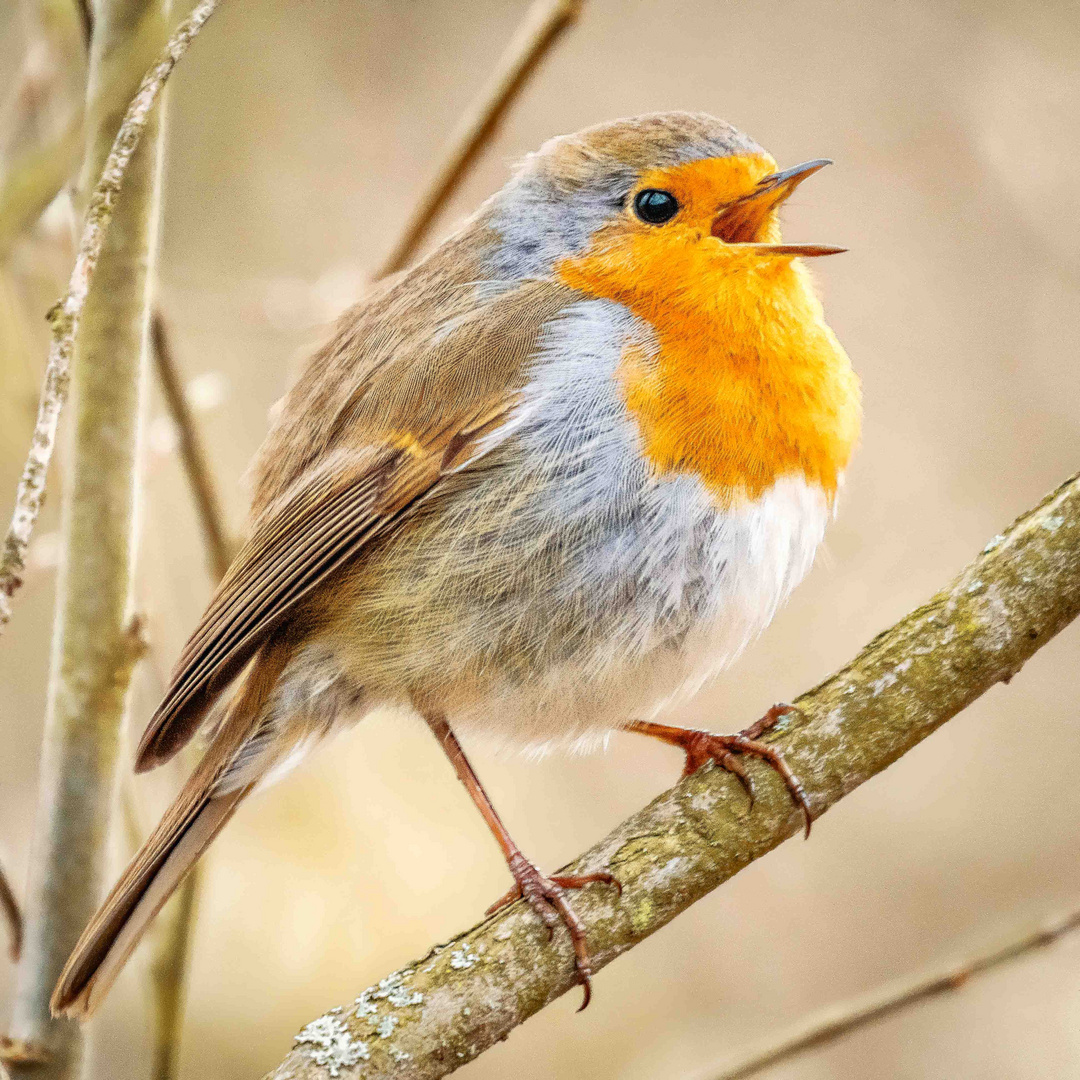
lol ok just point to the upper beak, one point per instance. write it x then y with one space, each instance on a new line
740 221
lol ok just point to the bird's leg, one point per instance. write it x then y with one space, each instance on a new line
546 895
703 746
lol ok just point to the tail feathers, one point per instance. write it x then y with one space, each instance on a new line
198 814
137 897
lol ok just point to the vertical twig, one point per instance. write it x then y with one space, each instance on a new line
67 313
192 453
41 130
168 974
173 934
94 647
543 24
12 916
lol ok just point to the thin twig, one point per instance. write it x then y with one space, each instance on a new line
842 1019
41 131
168 975
192 452
66 314
542 26
12 916
464 997
86 19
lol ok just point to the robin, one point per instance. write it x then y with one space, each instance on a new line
556 475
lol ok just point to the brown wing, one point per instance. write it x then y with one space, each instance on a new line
395 428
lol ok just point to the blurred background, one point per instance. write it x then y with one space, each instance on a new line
298 137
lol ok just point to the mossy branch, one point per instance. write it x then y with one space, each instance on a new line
463 997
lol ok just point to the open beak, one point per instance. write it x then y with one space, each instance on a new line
739 222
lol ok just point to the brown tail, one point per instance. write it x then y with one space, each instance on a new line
196 816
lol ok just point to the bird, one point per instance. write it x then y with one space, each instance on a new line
540 487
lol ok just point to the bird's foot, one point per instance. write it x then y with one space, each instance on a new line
547 897
726 750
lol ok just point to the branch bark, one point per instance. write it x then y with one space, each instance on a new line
542 26
447 1008
840 1020
66 315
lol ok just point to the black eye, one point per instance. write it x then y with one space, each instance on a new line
655 206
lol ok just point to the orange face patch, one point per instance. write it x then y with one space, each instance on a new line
747 384
703 187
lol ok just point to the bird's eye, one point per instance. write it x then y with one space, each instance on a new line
655 206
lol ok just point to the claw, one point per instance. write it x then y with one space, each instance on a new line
703 746
547 898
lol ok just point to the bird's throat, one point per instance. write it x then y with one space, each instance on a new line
744 382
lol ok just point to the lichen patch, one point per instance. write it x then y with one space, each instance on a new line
331 1045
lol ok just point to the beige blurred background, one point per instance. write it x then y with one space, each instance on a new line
298 135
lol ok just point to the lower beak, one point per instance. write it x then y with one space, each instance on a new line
739 222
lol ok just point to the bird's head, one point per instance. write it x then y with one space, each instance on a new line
674 216
649 195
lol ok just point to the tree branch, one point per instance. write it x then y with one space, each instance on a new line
463 997
840 1020
101 329
66 314
542 26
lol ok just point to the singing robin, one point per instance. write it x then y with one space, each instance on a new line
557 474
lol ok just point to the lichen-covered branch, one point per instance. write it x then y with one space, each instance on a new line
840 1020
65 316
463 997
542 26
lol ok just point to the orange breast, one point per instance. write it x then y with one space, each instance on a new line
746 383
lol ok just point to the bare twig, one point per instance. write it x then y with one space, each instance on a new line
37 159
192 451
168 975
462 998
9 906
86 19
840 1020
543 24
66 314
41 129
175 925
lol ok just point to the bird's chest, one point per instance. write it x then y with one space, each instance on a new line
587 588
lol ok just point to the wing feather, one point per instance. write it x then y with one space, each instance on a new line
397 424
294 546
